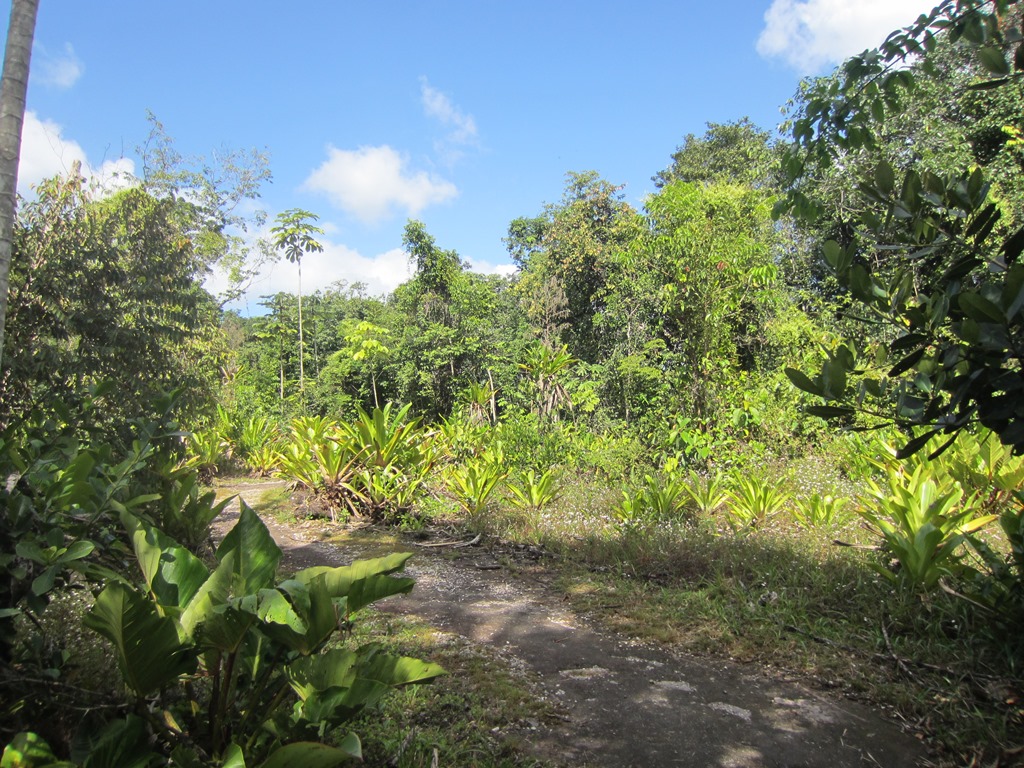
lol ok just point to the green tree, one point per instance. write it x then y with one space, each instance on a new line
573 243
738 152
294 235
365 346
106 291
933 254
209 195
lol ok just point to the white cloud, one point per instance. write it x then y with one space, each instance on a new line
57 71
370 182
810 35
462 127
46 153
381 273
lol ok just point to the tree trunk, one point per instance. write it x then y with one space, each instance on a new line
302 373
13 88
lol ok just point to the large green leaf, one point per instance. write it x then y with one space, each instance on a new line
309 754
174 575
149 650
213 593
332 669
397 670
314 609
121 744
364 581
256 554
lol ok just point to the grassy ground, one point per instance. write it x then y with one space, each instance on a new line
784 597
794 602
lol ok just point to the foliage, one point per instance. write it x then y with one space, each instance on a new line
206 450
185 510
474 482
924 522
738 152
544 366
933 254
752 501
278 681
258 445
533 491
106 291
818 509
293 234
395 458
657 499
707 491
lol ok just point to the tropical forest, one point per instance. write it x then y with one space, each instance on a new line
773 415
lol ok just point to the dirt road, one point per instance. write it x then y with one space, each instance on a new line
629 704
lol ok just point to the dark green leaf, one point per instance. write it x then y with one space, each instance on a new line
980 309
828 411
994 60
915 445
802 381
906 363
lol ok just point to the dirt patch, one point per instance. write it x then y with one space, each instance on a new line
626 703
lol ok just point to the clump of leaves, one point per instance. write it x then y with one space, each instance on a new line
243 668
924 522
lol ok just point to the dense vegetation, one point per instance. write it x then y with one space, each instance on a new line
644 397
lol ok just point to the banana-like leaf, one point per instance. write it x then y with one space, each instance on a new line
395 670
313 605
149 650
256 554
233 757
225 628
173 574
364 581
309 754
335 668
121 744
213 593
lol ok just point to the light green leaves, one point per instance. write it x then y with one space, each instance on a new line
149 650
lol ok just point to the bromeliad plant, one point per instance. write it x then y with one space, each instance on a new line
473 482
395 458
233 667
659 499
923 521
532 491
323 459
752 501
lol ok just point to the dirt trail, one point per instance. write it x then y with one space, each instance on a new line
629 704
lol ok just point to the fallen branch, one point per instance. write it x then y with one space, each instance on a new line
458 543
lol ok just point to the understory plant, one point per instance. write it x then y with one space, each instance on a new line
658 499
473 482
232 666
752 501
533 491
924 519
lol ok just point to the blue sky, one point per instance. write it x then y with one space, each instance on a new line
464 115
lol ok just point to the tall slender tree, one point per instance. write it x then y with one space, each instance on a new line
293 234
13 88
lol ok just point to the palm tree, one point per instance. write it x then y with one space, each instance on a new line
13 87
293 234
